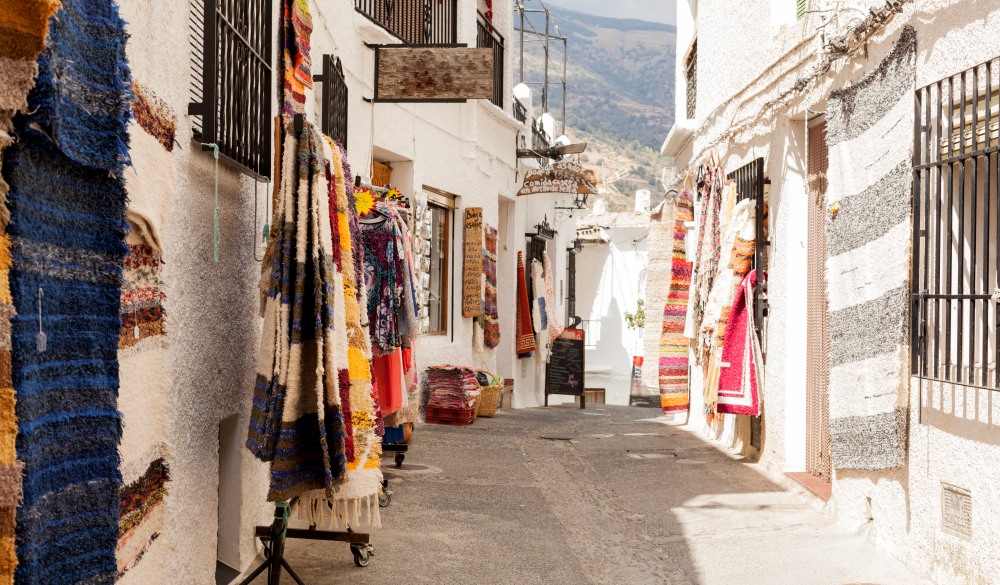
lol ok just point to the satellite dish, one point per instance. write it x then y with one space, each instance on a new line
562 140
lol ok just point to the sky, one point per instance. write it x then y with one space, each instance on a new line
651 10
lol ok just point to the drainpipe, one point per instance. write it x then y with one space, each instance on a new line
574 320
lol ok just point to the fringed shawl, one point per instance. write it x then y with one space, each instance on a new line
555 327
491 319
297 422
525 340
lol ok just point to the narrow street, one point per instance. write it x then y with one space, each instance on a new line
603 496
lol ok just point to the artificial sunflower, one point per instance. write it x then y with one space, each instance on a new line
393 194
364 202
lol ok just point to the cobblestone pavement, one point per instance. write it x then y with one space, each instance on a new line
602 496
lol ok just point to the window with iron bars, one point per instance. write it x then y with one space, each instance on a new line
691 77
333 86
415 22
955 237
232 80
488 37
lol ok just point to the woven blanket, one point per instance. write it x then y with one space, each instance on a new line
554 325
706 264
673 343
84 91
868 265
142 397
154 116
740 365
355 501
296 421
67 232
23 28
491 319
525 340
296 29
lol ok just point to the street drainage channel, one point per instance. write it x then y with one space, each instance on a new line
628 453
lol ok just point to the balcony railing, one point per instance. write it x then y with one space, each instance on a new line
415 22
539 140
488 37
520 113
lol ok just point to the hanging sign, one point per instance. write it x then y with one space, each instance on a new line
568 178
472 275
443 73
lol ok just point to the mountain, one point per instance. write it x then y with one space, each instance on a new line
620 95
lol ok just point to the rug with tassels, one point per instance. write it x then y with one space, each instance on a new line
673 344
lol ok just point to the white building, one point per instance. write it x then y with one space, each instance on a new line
834 96
456 155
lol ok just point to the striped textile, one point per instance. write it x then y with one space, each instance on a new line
154 116
491 319
296 29
673 343
525 337
296 421
869 247
67 232
23 28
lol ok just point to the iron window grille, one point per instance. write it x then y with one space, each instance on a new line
232 80
750 183
415 22
488 37
954 325
335 95
691 79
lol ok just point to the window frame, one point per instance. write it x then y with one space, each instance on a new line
446 203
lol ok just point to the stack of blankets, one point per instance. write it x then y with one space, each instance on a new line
452 387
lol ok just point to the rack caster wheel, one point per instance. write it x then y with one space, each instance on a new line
384 499
362 554
399 459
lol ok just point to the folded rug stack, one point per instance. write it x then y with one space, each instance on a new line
452 387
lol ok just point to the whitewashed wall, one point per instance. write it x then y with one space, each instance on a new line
900 510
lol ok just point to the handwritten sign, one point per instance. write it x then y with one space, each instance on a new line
472 275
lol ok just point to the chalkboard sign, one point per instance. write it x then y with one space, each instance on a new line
565 371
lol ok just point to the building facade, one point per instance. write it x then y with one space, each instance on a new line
876 124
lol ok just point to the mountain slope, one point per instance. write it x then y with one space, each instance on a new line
620 94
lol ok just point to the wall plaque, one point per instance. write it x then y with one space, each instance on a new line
441 73
472 274
956 511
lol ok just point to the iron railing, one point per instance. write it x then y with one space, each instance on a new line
955 237
488 37
333 86
415 22
520 112
233 80
539 139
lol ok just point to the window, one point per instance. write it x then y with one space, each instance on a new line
691 75
441 206
488 37
232 80
415 22
955 211
800 9
334 88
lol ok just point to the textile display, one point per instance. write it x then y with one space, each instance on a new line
295 32
362 447
296 422
741 362
673 344
384 282
452 387
23 29
525 342
539 310
491 319
154 116
869 249
67 235
554 326
143 379
706 265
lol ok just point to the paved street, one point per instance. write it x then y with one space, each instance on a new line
563 496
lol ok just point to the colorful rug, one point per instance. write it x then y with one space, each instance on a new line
868 265
154 116
525 339
491 319
67 231
296 29
740 366
297 422
23 28
144 379
673 344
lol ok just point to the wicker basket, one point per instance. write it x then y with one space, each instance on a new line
489 397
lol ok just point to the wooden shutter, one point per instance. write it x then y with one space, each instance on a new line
800 9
